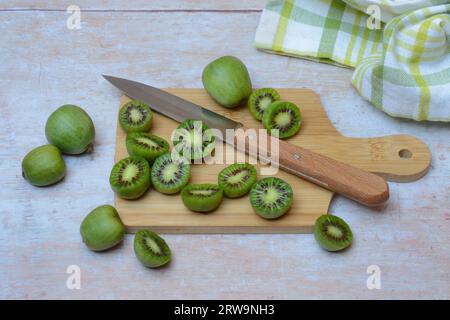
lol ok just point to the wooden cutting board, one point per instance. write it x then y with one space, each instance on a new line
397 158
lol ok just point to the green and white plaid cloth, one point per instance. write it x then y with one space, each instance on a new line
402 68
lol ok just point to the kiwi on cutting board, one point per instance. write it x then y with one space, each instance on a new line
193 139
237 179
271 197
282 119
169 175
135 116
150 249
260 99
146 145
332 233
202 197
130 177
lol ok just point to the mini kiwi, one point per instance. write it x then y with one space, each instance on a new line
282 119
260 99
193 139
130 177
271 197
169 175
237 179
150 249
332 233
146 145
202 197
135 116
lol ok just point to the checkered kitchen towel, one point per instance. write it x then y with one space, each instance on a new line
402 68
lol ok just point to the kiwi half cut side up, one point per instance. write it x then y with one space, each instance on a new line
202 197
130 177
283 116
332 233
150 249
169 175
146 145
237 179
260 99
193 139
135 116
271 197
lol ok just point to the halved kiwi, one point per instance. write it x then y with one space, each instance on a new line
130 177
237 179
135 116
146 145
202 197
193 139
169 175
332 233
271 197
282 119
260 99
150 249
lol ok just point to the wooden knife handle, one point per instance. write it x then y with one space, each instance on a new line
351 182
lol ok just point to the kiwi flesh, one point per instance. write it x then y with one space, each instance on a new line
260 99
202 197
282 119
193 139
146 145
135 116
271 197
130 177
169 175
237 179
150 249
332 233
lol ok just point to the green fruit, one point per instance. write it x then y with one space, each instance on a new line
227 81
202 197
102 228
271 197
130 177
150 249
237 179
70 129
43 166
332 233
146 145
193 139
283 116
259 101
135 116
169 175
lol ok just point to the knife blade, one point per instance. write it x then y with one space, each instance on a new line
351 182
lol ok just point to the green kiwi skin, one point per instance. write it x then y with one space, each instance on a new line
143 127
102 228
327 242
255 96
270 113
147 257
199 203
271 213
43 166
244 188
178 143
139 187
140 150
70 129
173 188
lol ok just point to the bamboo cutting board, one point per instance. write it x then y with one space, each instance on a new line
397 158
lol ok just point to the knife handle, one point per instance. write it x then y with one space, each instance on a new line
351 182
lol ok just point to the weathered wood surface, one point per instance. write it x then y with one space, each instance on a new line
44 65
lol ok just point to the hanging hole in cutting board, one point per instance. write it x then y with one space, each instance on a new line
405 154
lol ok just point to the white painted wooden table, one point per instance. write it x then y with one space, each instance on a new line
43 65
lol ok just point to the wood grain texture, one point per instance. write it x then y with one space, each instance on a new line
45 65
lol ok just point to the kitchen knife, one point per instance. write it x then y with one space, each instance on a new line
351 182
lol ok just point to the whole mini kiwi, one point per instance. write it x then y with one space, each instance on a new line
102 228
169 174
146 145
271 197
43 166
135 116
282 119
332 233
237 179
150 249
202 197
260 99
130 177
